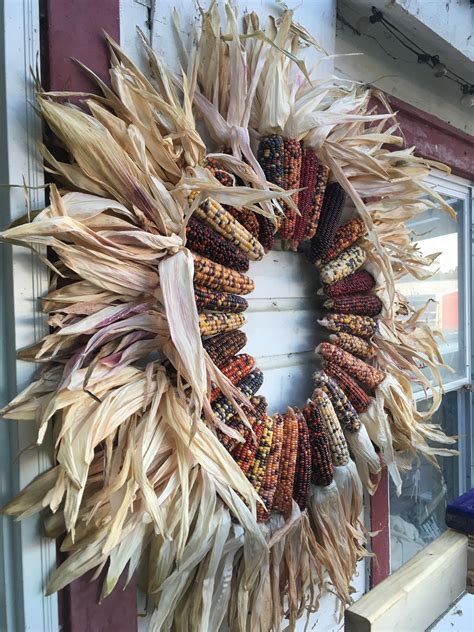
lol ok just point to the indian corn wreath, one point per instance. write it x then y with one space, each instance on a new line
167 463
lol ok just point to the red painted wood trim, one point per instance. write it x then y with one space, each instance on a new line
379 521
74 29
435 139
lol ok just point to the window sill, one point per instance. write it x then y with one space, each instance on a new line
418 593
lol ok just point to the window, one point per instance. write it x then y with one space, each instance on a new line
417 515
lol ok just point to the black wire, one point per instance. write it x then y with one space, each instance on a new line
391 28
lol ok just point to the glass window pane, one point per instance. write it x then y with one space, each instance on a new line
417 515
436 232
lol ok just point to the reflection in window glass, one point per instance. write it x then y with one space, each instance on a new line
417 515
436 232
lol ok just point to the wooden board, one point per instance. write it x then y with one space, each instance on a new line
413 597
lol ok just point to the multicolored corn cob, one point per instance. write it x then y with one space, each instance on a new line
270 481
216 301
337 441
363 326
362 304
367 375
220 220
270 156
250 384
205 241
345 236
213 275
291 180
258 410
244 453
235 370
331 212
317 202
303 464
226 412
256 473
355 394
308 180
284 493
243 216
345 411
353 344
223 346
359 281
321 459
345 264
217 323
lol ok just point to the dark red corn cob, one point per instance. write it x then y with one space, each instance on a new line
214 300
303 464
223 346
322 468
354 393
291 180
206 242
244 453
363 304
266 232
316 202
359 281
308 180
331 212
345 236
235 370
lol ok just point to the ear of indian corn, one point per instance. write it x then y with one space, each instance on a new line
291 180
244 453
353 344
270 156
363 326
308 180
362 304
367 375
216 301
355 394
345 411
213 275
359 281
286 477
202 240
216 323
321 460
235 370
331 212
256 472
270 480
337 441
233 420
223 346
245 217
316 202
220 220
344 237
250 384
303 464
345 264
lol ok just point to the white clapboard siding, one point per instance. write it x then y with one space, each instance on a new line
282 326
